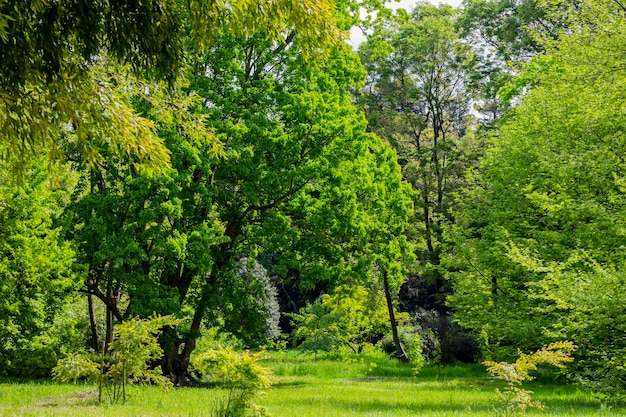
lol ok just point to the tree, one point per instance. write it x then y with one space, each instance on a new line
36 273
353 317
126 361
416 99
170 244
544 232
506 34
506 26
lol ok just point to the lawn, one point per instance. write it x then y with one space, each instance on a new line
317 388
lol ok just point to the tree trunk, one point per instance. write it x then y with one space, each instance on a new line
400 352
95 337
109 329
108 339
175 365
177 350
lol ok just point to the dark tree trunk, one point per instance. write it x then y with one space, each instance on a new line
175 365
400 352
177 350
108 339
95 337
109 329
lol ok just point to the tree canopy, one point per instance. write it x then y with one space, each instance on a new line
59 62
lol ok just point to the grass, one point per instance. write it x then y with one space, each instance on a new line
371 386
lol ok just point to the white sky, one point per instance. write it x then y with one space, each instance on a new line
408 4
356 37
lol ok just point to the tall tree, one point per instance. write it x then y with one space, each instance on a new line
505 34
416 98
507 26
545 231
35 271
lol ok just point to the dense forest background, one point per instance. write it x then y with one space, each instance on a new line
456 185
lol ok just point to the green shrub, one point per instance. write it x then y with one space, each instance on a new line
354 318
416 355
240 374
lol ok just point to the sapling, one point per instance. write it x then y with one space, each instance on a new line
416 354
128 360
514 399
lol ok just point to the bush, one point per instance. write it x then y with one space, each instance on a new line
513 398
240 374
353 318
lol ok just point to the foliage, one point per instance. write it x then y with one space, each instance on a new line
316 328
256 274
56 59
128 360
417 354
515 399
544 223
240 374
134 348
76 366
416 99
292 142
354 317
506 26
36 274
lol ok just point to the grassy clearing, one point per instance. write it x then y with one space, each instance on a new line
371 386
400 398
381 387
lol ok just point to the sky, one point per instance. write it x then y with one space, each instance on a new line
356 37
408 4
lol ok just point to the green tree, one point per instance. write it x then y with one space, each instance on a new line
127 360
416 99
353 317
170 244
36 273
544 224
505 34
506 26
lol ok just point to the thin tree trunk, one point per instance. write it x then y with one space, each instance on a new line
109 320
400 352
95 337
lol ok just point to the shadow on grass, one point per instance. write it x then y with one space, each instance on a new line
287 384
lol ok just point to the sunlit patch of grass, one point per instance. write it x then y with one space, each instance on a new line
400 398
312 386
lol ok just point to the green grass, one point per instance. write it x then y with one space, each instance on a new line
371 386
